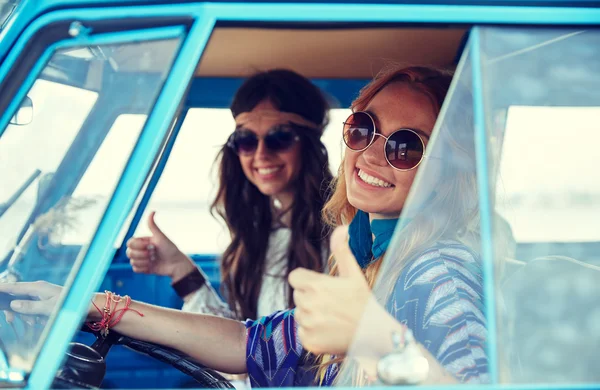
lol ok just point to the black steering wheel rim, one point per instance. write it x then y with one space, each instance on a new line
74 365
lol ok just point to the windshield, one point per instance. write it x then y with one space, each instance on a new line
6 9
58 172
541 90
60 111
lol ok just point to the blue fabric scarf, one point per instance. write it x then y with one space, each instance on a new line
361 233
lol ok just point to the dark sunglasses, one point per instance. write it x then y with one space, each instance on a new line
403 148
277 140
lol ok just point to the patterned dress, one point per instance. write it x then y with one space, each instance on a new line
439 295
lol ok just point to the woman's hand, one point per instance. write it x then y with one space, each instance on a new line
44 296
328 308
157 254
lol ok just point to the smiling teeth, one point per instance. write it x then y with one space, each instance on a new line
268 171
373 180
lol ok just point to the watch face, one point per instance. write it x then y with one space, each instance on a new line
408 366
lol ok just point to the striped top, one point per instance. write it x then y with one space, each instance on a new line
439 296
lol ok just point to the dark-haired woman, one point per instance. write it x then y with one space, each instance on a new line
273 182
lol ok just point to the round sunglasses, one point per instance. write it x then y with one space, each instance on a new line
403 149
246 142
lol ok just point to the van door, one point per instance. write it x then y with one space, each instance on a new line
82 91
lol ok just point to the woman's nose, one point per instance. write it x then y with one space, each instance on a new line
261 149
374 154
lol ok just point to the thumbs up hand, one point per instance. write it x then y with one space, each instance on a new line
157 254
329 308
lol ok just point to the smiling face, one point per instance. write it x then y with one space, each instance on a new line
372 185
273 173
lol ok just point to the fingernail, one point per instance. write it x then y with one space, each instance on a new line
150 247
16 304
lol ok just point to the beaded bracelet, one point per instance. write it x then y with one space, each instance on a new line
110 315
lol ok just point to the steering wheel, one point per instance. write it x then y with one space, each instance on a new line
85 366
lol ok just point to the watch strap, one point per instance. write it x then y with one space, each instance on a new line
191 282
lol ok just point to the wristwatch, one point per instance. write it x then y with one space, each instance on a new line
406 364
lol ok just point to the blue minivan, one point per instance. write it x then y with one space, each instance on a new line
111 109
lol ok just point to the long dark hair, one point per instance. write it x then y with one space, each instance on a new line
247 211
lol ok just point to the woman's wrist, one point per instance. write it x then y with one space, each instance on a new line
373 337
97 302
113 310
182 266
189 283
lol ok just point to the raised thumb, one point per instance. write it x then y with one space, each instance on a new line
344 259
154 229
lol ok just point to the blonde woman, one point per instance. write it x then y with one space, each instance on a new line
429 326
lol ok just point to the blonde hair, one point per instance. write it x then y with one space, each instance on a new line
457 189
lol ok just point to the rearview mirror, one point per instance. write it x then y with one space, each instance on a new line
24 114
